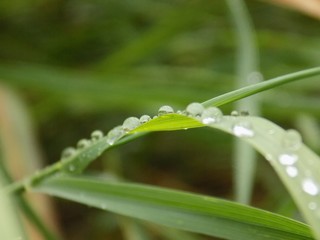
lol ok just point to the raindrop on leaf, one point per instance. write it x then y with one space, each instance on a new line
130 123
243 129
195 109
114 135
144 119
96 135
165 110
211 115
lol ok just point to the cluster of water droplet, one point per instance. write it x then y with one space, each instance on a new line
82 144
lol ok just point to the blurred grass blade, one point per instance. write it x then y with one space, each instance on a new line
176 209
244 157
259 87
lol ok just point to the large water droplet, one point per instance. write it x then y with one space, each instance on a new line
68 152
211 115
292 171
144 119
310 187
96 135
131 123
165 110
195 109
83 143
288 158
292 140
243 129
114 135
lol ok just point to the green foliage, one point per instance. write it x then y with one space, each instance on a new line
83 65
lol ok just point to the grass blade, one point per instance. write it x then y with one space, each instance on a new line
176 209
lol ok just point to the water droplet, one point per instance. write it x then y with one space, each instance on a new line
131 123
165 110
71 167
243 129
310 187
254 77
96 135
271 131
145 118
234 113
292 171
312 205
195 109
244 113
211 115
288 158
83 143
114 135
68 152
292 140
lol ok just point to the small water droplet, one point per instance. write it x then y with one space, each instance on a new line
254 77
71 167
310 187
195 109
211 115
131 123
312 205
145 118
292 171
114 135
83 143
243 129
96 135
288 158
271 131
244 113
235 113
292 140
68 152
165 110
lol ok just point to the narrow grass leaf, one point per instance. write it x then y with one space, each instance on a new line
176 209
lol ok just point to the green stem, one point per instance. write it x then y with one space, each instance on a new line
260 87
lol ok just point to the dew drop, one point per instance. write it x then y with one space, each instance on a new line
165 110
131 123
71 167
195 109
83 143
292 171
243 129
114 135
234 113
268 156
292 140
211 115
68 152
312 205
144 119
288 158
96 135
310 187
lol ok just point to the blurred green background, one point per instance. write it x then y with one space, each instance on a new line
85 65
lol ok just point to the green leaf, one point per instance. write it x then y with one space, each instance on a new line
176 209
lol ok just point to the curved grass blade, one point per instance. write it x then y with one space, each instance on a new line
253 89
297 166
176 209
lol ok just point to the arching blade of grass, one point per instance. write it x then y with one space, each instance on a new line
176 209
256 88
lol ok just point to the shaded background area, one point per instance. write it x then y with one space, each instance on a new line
85 65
